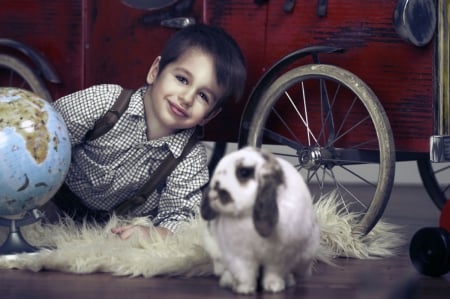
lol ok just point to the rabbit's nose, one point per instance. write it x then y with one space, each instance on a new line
216 186
224 196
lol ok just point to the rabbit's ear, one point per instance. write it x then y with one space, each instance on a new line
205 208
265 211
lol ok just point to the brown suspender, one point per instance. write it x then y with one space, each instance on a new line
160 174
107 122
104 124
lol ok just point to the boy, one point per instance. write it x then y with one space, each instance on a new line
199 70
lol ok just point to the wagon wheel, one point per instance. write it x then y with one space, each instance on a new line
14 73
329 124
435 178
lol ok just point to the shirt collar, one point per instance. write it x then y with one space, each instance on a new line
175 142
136 106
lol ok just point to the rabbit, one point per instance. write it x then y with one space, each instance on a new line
261 225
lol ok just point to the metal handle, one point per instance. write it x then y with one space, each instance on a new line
178 23
322 7
288 6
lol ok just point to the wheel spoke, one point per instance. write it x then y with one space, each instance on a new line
350 130
285 155
306 113
361 144
280 139
347 115
352 195
435 178
359 177
305 122
446 188
328 121
285 124
328 108
338 186
342 162
436 171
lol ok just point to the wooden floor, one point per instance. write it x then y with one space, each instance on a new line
392 278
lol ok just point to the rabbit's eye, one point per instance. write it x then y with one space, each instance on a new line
244 173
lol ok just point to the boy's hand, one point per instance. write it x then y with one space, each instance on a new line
126 231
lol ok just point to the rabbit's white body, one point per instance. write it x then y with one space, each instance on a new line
242 248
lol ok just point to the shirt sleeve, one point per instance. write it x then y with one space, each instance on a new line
80 110
181 197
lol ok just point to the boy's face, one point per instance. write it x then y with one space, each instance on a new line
184 93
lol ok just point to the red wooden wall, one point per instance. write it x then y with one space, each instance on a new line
104 41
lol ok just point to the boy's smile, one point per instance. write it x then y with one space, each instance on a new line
182 94
178 110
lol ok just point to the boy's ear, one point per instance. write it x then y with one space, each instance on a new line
210 116
153 72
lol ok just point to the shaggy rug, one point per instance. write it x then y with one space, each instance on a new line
90 248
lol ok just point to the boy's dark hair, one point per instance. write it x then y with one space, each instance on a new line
228 59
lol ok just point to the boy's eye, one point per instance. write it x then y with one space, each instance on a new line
182 79
204 97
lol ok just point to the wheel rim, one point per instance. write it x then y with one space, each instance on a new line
435 178
320 115
14 73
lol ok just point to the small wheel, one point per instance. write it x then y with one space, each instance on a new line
330 124
429 251
14 73
435 178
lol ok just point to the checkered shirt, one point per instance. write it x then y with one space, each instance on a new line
110 169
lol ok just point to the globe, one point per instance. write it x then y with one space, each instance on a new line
34 151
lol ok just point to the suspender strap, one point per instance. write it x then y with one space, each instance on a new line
106 122
160 174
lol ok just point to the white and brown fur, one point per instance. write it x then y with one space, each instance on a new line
260 221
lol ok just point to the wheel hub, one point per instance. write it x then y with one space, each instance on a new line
312 158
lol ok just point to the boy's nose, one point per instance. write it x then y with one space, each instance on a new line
187 98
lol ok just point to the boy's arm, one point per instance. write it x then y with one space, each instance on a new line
179 200
126 231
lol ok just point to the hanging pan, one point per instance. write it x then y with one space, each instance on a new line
415 20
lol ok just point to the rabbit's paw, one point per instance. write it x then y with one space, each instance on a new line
226 280
245 288
290 280
219 269
273 283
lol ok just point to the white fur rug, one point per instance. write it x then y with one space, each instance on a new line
91 248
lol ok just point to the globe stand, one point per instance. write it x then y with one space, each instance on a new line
15 242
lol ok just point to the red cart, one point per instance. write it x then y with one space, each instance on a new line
338 87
